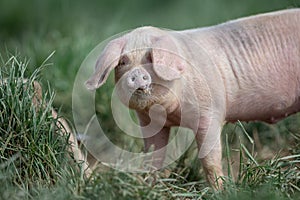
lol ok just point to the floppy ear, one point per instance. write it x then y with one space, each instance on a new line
106 62
166 59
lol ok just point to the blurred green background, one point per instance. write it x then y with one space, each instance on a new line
33 29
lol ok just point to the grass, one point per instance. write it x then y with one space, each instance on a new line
32 153
262 161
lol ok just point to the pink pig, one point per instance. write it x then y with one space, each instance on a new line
246 69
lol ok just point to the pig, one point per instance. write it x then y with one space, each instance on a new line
246 69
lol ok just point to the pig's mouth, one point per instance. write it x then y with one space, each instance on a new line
141 98
143 91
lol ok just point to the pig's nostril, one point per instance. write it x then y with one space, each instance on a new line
145 77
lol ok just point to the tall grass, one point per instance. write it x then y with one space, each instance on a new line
32 150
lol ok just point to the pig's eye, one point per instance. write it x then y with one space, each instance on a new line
121 63
124 60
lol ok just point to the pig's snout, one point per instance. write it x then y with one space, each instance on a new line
138 79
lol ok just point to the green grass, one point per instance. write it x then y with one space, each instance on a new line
262 160
32 151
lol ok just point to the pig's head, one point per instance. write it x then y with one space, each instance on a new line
147 65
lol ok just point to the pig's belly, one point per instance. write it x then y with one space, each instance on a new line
260 110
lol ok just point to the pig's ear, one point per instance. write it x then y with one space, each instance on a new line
106 62
167 61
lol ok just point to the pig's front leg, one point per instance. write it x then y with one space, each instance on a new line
159 142
155 139
210 149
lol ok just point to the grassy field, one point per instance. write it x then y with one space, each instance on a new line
261 160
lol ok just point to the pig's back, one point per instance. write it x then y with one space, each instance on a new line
263 65
258 58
